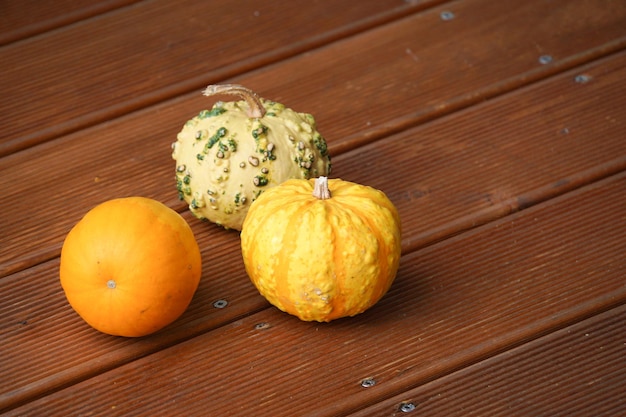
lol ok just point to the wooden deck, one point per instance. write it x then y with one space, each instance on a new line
498 128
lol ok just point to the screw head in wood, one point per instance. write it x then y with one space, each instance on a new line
582 78
407 407
368 382
545 59
220 303
446 15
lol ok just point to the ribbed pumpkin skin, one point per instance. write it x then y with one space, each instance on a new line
130 266
322 259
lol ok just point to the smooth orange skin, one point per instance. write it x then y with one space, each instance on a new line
147 249
321 260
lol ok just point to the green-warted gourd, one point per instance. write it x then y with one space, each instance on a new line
227 156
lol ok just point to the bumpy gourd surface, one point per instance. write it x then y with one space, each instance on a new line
225 159
322 259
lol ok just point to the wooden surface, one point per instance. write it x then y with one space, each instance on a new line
497 128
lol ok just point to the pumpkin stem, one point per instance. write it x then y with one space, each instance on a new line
320 190
255 107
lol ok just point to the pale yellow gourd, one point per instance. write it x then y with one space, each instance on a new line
227 156
322 249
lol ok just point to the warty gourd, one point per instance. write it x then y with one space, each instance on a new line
227 156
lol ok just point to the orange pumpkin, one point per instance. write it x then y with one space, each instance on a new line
130 266
321 249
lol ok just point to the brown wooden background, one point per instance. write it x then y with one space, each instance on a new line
498 128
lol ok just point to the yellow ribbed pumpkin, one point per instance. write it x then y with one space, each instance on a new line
321 249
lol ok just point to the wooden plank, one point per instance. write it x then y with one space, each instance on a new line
45 344
133 57
454 303
494 157
524 147
424 66
454 147
418 73
24 18
576 371
417 168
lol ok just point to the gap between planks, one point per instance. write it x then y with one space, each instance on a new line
601 44
37 18
347 165
487 387
176 89
577 212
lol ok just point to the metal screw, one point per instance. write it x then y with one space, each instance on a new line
407 407
368 382
582 78
447 15
220 303
545 59
262 326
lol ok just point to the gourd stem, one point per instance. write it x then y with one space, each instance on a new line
320 189
255 106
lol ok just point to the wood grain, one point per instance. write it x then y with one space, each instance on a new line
25 18
70 175
423 67
493 55
453 304
575 371
118 65
46 345
502 177
497 128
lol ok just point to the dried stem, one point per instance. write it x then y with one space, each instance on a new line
320 190
255 107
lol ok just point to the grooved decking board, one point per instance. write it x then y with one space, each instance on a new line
45 345
462 119
422 67
537 153
422 63
120 61
576 371
23 18
519 148
454 303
